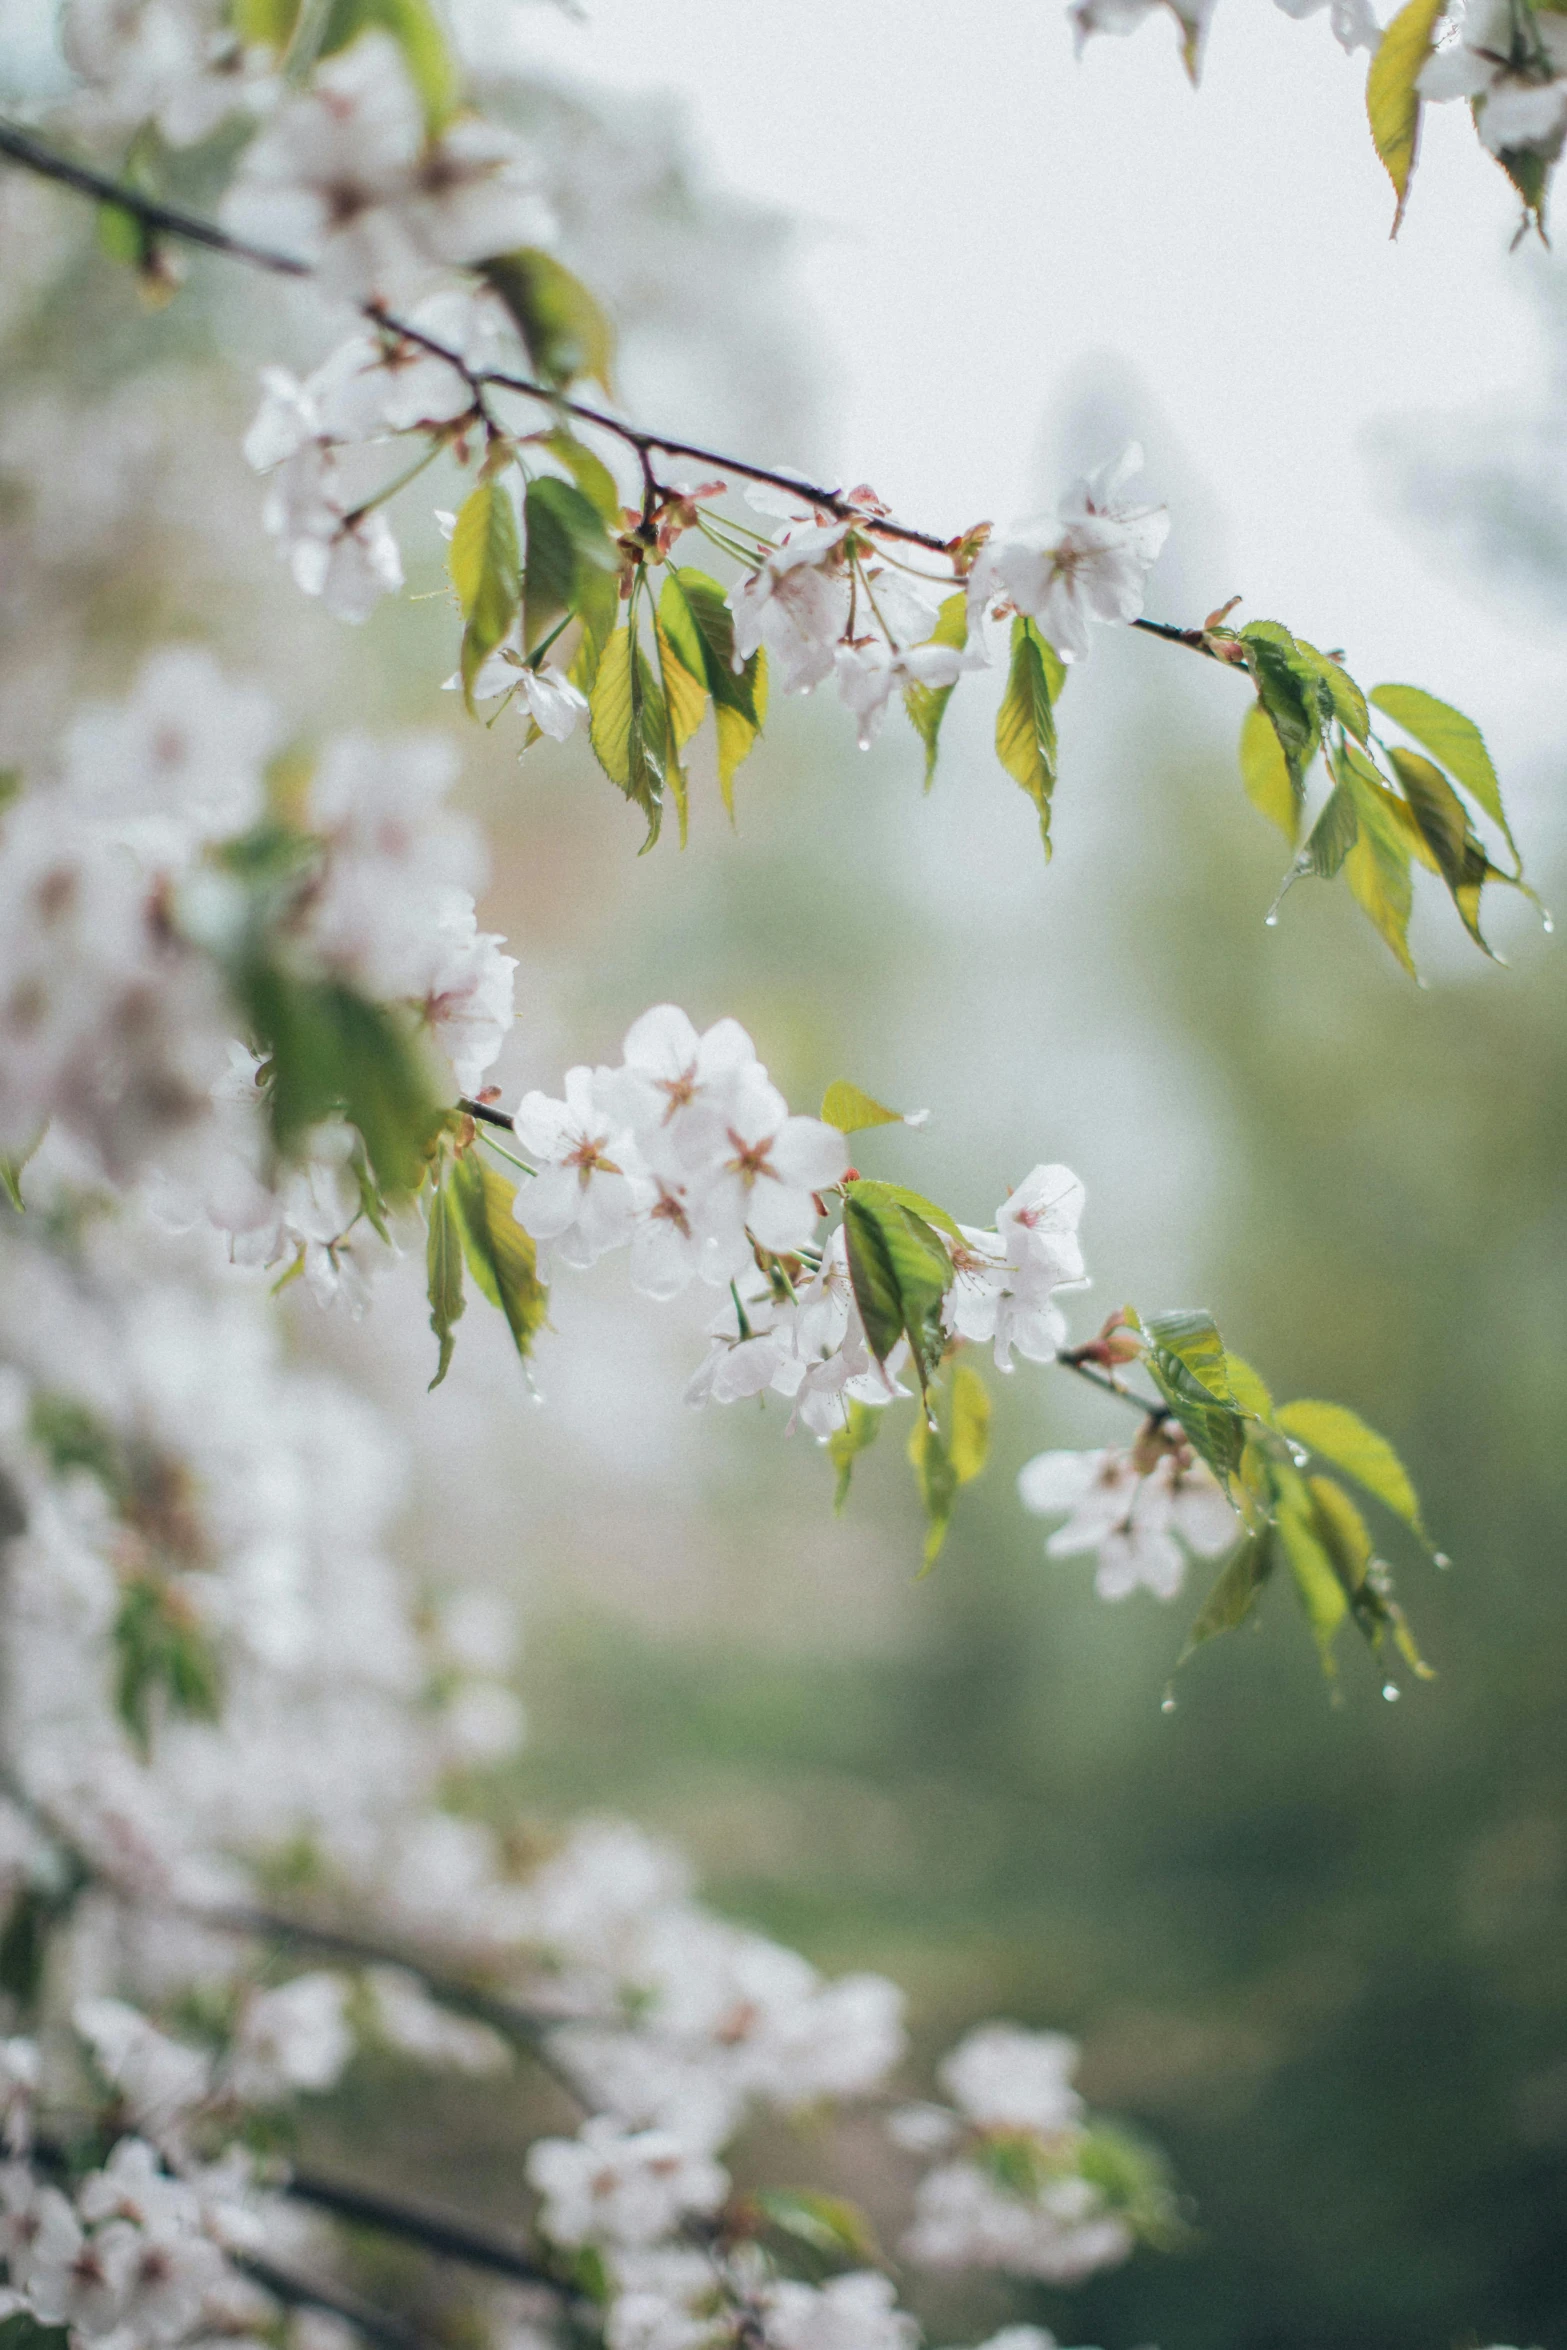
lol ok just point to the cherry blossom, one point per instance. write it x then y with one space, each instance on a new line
797 604
1512 68
610 2185
1090 563
1131 1512
590 1185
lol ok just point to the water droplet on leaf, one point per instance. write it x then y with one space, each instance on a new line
1439 1558
1168 1707
1392 1692
1270 921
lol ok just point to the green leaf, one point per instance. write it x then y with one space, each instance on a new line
443 1274
501 1256
1192 1337
22 2331
34 1913
1289 693
844 1106
1266 775
416 28
1444 826
1332 836
1339 1435
72 1437
162 1650
1377 867
484 560
871 1188
695 616
264 24
331 1051
566 332
11 1172
969 1439
1025 724
685 700
1392 100
591 475
1248 1388
1235 1592
1322 1595
1345 699
570 555
927 704
845 1445
1216 1429
628 728
900 1274
1455 742
837 2229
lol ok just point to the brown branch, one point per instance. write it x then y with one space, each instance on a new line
447 2239
167 220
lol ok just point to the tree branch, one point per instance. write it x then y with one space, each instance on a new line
295 2292
447 2239
1071 1360
168 220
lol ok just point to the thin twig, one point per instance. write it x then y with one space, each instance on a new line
167 220
1070 1360
376 2325
448 2239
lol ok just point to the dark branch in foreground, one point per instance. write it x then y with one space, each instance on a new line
376 2325
167 220
448 2239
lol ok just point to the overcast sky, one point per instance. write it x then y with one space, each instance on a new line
983 216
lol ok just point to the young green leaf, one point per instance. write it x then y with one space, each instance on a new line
1247 1387
1192 1337
872 1189
501 1256
591 475
485 561
628 728
839 2231
900 1274
845 1445
1235 1592
162 1650
927 704
695 616
1289 692
1025 724
1339 1435
566 332
969 1440
1266 775
950 1455
443 1274
1377 866
1345 700
1454 741
844 1106
685 701
1392 99
1322 1594
1444 826
331 1051
570 557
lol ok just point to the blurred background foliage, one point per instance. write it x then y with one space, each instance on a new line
1315 1948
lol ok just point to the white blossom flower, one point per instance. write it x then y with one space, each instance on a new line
344 554
324 179
1003 1291
72 2278
344 176
589 1184
666 2299
410 2020
797 604
1088 17
1002 2076
1512 66
609 2185
1090 563
173 63
1130 1515
179 762
768 1168
296 2037
468 1000
871 672
159 2080
963 2218
675 1088
854 2312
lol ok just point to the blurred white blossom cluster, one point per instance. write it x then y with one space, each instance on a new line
125 910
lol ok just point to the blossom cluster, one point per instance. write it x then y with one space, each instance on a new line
128 915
